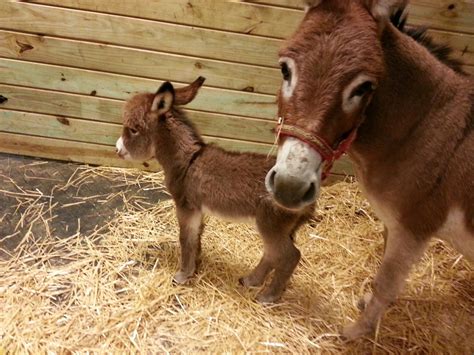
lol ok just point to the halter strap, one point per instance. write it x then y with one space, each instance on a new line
318 143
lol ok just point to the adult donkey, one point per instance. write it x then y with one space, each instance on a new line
350 76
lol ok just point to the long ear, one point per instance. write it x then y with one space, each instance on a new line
381 10
187 94
164 98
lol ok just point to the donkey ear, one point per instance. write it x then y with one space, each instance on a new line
382 10
164 98
187 94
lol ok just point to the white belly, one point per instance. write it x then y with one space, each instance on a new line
454 231
235 219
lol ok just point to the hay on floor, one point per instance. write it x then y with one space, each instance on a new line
112 291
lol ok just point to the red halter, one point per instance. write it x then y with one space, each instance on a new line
328 154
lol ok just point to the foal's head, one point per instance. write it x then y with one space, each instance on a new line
142 114
330 67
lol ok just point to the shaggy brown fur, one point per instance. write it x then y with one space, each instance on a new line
414 151
205 178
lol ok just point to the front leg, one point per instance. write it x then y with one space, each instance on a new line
402 250
190 228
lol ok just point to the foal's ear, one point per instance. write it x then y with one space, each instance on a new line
164 98
187 94
381 10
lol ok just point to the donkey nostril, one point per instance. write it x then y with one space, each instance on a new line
310 194
272 179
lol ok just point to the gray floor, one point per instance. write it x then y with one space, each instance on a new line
37 198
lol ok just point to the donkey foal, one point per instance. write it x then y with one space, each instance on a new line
204 178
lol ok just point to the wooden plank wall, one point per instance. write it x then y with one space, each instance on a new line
67 65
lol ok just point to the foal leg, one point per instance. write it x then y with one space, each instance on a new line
284 257
258 275
190 228
401 252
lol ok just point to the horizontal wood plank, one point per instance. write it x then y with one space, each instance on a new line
469 69
450 15
230 16
66 151
86 82
461 43
143 63
134 32
62 127
138 33
110 111
248 17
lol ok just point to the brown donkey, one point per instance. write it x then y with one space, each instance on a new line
203 178
350 76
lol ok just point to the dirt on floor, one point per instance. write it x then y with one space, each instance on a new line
41 197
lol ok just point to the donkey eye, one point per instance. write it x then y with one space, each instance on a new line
133 131
285 71
364 88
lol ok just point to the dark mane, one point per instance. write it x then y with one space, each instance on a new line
441 51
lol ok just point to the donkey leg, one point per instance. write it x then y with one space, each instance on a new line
285 258
190 228
258 275
365 299
402 251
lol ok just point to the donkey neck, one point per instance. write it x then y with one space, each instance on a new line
176 145
415 86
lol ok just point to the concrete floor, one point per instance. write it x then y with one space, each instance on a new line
39 196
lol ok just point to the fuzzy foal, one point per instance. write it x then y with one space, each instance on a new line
204 178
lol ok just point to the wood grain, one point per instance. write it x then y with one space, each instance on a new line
86 82
138 33
110 111
136 62
78 130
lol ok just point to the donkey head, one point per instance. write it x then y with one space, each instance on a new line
330 67
142 114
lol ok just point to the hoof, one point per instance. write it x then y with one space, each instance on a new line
181 278
247 281
364 301
267 298
355 331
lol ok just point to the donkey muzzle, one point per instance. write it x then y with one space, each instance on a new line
290 192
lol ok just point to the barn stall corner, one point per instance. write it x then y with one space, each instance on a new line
66 69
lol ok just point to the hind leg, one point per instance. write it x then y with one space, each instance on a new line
402 251
190 228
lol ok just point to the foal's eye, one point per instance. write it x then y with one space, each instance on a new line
133 131
364 88
285 71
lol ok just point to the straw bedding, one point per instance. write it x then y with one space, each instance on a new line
112 291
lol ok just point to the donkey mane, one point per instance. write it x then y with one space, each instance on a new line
179 115
442 52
